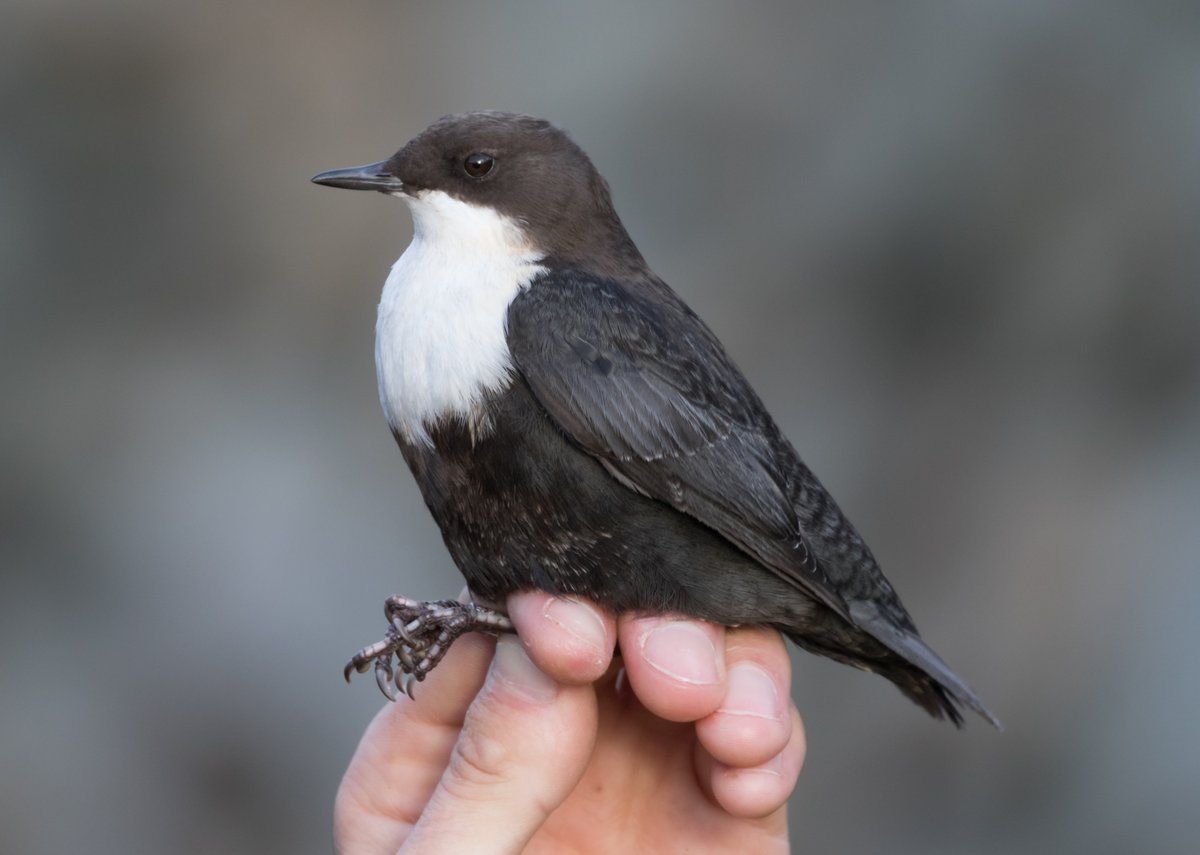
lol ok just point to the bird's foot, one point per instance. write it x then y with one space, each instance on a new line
418 636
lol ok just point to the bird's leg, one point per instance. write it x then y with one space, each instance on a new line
418 636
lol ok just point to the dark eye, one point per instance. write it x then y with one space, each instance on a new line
479 164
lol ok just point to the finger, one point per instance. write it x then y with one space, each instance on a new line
571 640
756 792
753 722
523 747
403 752
675 666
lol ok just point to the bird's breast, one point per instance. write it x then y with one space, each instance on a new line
440 342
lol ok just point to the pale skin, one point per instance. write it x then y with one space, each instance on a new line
544 744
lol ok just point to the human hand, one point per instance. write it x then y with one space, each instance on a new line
694 747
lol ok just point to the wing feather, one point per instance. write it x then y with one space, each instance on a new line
637 380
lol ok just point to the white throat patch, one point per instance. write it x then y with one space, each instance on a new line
440 338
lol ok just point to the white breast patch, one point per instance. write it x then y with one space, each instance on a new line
440 342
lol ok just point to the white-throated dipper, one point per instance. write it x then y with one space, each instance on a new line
574 427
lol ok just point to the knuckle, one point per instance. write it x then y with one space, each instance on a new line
480 762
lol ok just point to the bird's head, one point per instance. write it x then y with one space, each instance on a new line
469 171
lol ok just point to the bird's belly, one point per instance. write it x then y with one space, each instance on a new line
522 507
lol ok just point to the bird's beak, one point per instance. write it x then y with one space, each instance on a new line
374 176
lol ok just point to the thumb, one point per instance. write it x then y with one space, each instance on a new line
523 747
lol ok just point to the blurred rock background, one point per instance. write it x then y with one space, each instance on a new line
955 249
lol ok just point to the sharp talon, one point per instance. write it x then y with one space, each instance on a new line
348 670
407 686
404 654
383 677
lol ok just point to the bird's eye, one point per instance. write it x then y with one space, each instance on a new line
479 165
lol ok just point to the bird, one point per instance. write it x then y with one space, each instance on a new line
574 427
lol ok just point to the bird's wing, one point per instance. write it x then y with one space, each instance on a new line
636 379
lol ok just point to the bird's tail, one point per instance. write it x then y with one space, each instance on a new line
905 659
929 681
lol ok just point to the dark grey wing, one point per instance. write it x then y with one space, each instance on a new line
637 380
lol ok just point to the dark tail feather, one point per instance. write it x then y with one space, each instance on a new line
928 681
938 690
927 694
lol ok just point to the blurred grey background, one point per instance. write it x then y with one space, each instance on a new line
955 248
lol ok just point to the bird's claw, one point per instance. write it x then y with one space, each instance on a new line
384 677
418 636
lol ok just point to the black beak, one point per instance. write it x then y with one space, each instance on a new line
374 176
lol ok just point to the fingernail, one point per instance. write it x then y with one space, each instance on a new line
752 692
682 651
513 667
578 620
